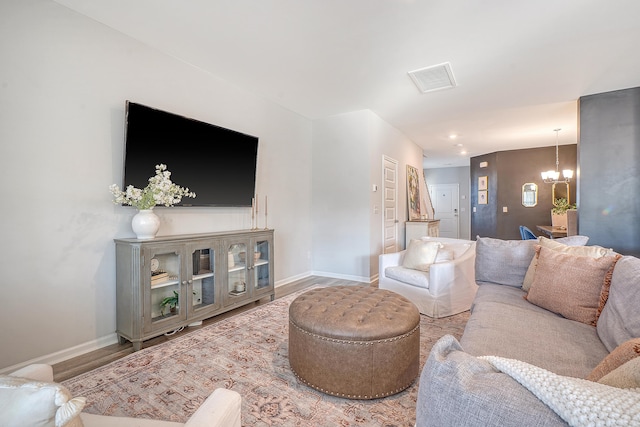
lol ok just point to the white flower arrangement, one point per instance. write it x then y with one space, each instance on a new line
159 191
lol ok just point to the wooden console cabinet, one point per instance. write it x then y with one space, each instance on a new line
418 229
202 275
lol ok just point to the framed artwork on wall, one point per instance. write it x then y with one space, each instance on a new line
413 193
482 197
483 183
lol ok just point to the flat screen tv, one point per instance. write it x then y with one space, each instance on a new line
218 164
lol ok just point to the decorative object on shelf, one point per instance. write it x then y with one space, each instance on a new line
256 255
171 301
230 260
553 177
265 213
239 286
145 224
159 191
159 277
253 213
559 213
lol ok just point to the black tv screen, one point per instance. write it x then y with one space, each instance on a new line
218 164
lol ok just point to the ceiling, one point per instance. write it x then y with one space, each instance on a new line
520 65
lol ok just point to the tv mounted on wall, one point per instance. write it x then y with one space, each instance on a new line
218 164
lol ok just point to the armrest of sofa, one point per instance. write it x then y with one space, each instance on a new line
36 371
459 390
393 259
450 276
221 409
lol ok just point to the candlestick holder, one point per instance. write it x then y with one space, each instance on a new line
254 222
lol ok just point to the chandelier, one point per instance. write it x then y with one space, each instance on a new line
553 177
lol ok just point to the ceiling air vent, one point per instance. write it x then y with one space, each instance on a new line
436 77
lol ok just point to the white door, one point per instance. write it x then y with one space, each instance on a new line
390 204
446 205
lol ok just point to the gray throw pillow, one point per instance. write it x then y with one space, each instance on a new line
576 240
503 262
619 320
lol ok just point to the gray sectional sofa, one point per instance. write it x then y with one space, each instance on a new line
459 388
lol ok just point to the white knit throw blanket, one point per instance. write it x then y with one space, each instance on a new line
579 402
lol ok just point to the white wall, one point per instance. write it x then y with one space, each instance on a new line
347 214
340 195
64 80
461 176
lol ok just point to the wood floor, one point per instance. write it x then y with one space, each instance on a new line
81 364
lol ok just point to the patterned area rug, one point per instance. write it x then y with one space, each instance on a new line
246 353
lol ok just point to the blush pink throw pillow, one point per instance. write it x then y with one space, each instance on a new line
576 287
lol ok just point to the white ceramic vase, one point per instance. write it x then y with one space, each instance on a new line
145 224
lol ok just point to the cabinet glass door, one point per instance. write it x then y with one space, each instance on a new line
237 262
261 264
164 275
203 284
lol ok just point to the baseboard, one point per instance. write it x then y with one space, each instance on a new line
79 350
292 279
68 353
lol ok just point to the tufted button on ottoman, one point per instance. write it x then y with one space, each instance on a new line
354 341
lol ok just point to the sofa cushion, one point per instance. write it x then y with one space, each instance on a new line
572 286
619 320
503 262
625 376
576 240
623 353
420 254
25 402
592 251
407 275
505 324
459 390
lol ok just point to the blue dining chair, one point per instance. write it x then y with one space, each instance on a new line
526 233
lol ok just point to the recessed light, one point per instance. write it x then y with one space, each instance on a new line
453 136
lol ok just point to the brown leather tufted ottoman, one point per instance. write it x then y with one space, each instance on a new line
354 341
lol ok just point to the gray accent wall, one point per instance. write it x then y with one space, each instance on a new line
609 155
507 171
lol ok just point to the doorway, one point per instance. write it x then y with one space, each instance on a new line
446 206
390 205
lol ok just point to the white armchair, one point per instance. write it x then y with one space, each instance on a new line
221 409
449 286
